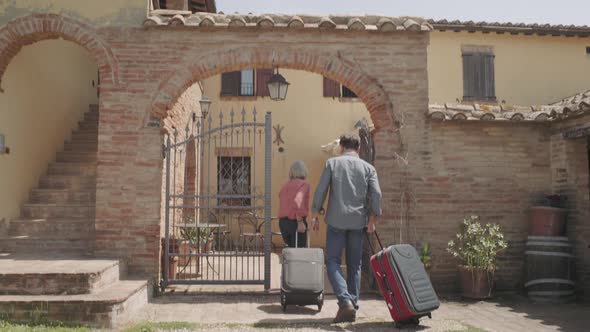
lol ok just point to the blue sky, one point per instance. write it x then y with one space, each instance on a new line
526 11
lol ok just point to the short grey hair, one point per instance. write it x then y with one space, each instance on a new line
298 170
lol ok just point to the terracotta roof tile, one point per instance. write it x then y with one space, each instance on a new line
515 28
570 106
353 23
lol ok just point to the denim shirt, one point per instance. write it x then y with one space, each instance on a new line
354 192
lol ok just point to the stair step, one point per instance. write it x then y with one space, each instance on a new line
62 196
81 146
74 182
46 275
91 116
88 124
84 136
66 156
35 211
33 244
103 309
69 228
71 168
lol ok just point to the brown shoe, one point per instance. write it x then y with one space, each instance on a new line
346 313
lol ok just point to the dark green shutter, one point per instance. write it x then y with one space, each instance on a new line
478 77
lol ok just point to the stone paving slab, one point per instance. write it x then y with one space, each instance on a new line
512 313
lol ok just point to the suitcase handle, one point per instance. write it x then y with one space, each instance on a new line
371 243
297 239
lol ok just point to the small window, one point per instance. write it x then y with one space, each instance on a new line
478 74
347 93
247 82
233 179
588 50
336 90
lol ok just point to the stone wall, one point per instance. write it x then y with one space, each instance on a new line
488 169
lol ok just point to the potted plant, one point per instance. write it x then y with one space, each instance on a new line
193 236
188 245
549 217
477 246
425 256
173 247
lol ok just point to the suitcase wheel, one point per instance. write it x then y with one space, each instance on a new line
320 302
414 321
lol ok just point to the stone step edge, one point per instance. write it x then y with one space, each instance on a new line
102 296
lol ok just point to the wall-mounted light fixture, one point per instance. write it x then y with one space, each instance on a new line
205 104
3 148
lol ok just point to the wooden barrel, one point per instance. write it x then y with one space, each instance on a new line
549 269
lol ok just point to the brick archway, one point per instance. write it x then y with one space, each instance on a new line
36 27
332 65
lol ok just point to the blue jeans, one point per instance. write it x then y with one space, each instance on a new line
346 290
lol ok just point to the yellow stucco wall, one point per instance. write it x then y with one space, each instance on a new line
528 69
110 12
309 120
48 87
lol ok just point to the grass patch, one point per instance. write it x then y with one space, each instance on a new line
6 326
151 327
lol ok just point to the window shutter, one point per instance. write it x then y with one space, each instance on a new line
469 80
262 77
478 77
331 88
231 83
489 89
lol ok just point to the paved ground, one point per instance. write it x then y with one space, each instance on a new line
264 313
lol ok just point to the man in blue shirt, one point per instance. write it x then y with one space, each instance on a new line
354 202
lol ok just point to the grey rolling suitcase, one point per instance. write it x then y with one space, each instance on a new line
302 277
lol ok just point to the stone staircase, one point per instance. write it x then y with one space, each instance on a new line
68 289
47 270
59 215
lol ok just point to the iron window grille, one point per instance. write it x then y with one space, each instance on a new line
233 179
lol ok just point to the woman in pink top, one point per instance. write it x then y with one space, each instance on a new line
294 206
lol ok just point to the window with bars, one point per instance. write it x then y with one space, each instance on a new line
247 82
478 74
233 179
336 90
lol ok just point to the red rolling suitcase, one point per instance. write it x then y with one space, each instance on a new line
404 283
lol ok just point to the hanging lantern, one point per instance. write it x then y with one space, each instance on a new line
277 86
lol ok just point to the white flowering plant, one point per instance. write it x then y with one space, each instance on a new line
476 245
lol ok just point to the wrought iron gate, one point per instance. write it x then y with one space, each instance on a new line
218 201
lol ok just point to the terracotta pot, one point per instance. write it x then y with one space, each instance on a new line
208 246
185 249
172 260
475 283
547 221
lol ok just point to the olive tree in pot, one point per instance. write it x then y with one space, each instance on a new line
477 247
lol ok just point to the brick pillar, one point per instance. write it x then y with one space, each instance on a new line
128 187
